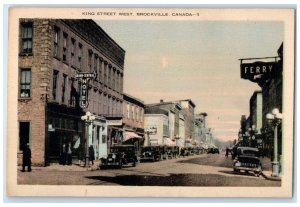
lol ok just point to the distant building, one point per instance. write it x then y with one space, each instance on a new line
174 117
156 122
188 108
133 120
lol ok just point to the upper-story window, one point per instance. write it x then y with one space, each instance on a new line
56 42
25 90
90 55
64 88
55 80
128 111
96 65
27 37
65 47
80 56
73 51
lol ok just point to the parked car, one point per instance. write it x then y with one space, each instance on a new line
152 153
247 159
120 155
213 150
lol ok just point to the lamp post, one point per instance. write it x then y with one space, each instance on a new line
88 118
252 132
275 118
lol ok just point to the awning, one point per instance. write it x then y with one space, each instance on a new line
131 135
169 142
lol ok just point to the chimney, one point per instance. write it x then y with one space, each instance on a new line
161 100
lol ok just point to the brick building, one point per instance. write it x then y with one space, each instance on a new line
133 120
51 52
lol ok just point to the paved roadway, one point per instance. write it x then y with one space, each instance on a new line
198 170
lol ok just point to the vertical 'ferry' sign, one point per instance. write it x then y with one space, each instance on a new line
84 80
255 71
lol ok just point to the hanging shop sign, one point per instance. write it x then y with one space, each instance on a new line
258 70
84 80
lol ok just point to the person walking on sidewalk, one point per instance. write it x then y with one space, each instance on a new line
69 154
91 154
26 158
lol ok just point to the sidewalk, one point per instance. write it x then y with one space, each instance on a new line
74 167
267 169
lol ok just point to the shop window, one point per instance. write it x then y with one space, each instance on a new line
103 139
24 134
25 90
27 36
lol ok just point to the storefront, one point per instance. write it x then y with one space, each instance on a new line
65 133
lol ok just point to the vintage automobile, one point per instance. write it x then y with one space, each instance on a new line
213 150
152 153
120 155
247 159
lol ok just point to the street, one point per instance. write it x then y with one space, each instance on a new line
197 170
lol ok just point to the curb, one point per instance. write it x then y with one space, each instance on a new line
270 177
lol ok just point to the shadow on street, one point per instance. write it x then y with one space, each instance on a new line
173 180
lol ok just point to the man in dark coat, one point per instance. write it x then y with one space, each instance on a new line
26 158
91 154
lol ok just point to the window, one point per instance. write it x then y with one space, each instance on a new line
96 65
25 91
27 35
64 88
73 94
73 50
56 42
55 79
24 134
113 81
105 73
90 59
128 111
65 47
103 139
80 56
100 69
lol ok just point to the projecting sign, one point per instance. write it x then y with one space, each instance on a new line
84 80
114 122
257 70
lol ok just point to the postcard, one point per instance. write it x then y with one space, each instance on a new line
150 102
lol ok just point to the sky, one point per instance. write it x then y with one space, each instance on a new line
197 60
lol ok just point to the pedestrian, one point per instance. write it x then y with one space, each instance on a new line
63 156
91 154
26 158
182 152
226 154
69 154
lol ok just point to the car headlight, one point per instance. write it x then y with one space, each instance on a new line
237 164
149 153
114 156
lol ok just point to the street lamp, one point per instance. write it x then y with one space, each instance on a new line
252 132
88 118
275 118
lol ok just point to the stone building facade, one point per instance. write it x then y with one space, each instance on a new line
51 53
